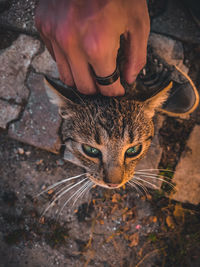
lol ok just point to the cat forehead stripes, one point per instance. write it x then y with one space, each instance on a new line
116 119
113 119
106 136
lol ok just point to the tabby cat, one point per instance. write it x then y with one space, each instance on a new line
106 136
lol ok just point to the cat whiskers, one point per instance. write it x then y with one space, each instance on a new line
85 190
53 186
139 179
67 188
144 181
162 170
63 192
80 192
136 185
142 174
143 187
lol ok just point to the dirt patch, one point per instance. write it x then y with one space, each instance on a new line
107 228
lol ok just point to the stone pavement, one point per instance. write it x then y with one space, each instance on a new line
27 115
187 175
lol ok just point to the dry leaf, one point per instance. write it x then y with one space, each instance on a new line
153 219
38 162
20 151
115 198
109 238
114 209
124 217
126 237
41 220
140 252
134 238
149 197
170 222
50 191
179 213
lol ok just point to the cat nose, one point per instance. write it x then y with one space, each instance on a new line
113 174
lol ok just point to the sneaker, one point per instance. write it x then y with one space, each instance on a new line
157 75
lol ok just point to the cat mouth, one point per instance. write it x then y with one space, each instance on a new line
113 185
107 185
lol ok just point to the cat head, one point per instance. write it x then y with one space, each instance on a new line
107 136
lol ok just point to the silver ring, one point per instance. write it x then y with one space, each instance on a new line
108 79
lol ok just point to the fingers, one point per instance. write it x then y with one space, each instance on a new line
75 71
66 45
136 50
114 89
63 65
80 36
48 45
43 28
82 74
104 64
73 68
76 68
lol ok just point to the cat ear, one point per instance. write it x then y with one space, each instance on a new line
156 101
53 90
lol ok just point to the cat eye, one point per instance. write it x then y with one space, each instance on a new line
91 151
133 151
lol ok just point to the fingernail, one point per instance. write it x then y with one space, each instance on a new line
132 80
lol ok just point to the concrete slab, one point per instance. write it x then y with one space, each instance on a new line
14 63
8 112
40 121
55 241
187 175
44 63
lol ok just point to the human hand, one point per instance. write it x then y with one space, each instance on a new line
81 34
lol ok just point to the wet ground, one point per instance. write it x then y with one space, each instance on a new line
97 227
104 228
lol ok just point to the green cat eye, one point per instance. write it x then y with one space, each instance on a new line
91 151
133 151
